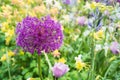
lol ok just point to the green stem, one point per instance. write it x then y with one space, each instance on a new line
92 71
49 64
92 75
8 62
39 67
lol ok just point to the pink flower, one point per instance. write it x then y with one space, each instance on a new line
59 69
81 20
115 47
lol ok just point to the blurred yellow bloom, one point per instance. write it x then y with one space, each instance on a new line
54 11
21 52
100 6
93 5
10 32
10 53
7 40
5 26
79 65
30 1
8 35
3 58
40 9
6 10
56 53
6 7
99 35
62 60
17 2
22 11
32 13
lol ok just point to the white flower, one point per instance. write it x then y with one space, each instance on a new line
57 5
79 58
87 5
98 47
66 18
106 46
111 29
118 15
49 3
86 33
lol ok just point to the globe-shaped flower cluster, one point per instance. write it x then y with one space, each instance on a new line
36 35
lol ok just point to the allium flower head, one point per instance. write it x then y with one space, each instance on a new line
39 35
59 69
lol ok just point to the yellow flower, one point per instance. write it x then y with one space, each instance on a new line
32 13
10 53
99 35
7 10
22 11
3 58
5 26
54 11
40 9
30 1
10 32
6 7
56 53
93 5
21 52
7 40
100 6
17 2
8 35
79 65
62 60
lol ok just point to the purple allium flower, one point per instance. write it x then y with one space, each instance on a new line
66 2
39 35
115 47
59 69
81 20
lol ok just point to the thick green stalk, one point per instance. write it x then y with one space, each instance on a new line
39 67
